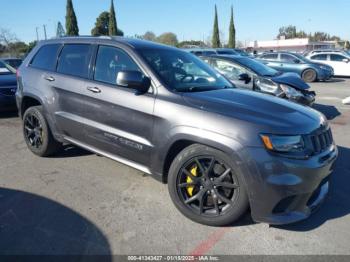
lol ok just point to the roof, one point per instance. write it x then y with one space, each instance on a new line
130 42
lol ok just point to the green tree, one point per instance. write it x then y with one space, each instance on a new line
113 29
150 36
216 33
71 20
101 25
31 45
60 31
232 32
168 39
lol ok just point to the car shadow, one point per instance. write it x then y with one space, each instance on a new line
337 204
334 80
331 112
34 225
8 114
69 151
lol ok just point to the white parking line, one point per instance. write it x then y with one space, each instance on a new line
329 98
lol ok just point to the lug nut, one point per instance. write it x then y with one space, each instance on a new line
209 192
214 187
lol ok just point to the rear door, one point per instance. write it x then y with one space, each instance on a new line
68 83
117 121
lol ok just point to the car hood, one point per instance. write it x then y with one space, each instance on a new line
270 113
291 79
8 80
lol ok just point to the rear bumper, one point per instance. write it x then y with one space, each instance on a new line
284 191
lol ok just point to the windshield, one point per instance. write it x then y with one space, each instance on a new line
6 69
182 71
257 67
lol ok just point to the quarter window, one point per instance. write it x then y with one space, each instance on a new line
322 57
110 61
74 60
46 57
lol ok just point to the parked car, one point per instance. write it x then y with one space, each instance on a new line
8 86
216 51
13 62
201 51
248 73
319 51
167 113
340 62
289 62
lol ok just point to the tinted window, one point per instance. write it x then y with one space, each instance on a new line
46 57
270 56
74 60
337 58
110 61
288 58
322 57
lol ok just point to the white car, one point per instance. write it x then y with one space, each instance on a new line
339 61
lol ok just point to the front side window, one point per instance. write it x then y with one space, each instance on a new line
74 60
270 57
183 72
229 69
337 58
288 58
109 62
322 57
46 57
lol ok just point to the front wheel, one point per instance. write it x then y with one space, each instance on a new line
309 75
206 186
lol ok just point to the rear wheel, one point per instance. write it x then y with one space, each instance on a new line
37 133
206 186
309 75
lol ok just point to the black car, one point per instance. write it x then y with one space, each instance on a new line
8 86
13 62
251 74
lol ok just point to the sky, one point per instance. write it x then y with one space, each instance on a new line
189 19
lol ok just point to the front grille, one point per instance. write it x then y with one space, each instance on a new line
8 91
322 141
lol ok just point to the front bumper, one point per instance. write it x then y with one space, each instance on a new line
325 75
284 191
7 103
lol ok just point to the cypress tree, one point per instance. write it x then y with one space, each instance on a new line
71 20
232 32
216 35
113 30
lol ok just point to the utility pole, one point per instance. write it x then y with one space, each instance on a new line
45 32
37 34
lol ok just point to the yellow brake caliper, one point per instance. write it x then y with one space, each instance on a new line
189 180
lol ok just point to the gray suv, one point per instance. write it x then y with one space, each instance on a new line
165 112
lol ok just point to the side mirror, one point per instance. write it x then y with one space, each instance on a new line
296 61
346 60
245 77
134 80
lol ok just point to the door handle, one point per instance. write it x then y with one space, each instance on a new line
94 89
49 78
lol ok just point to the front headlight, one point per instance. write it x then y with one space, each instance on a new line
290 91
267 86
283 144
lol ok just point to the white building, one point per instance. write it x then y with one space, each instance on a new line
294 45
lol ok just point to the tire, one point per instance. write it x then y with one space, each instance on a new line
309 75
37 133
221 205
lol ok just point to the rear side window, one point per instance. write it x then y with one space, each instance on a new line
74 60
46 57
337 58
288 58
322 57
